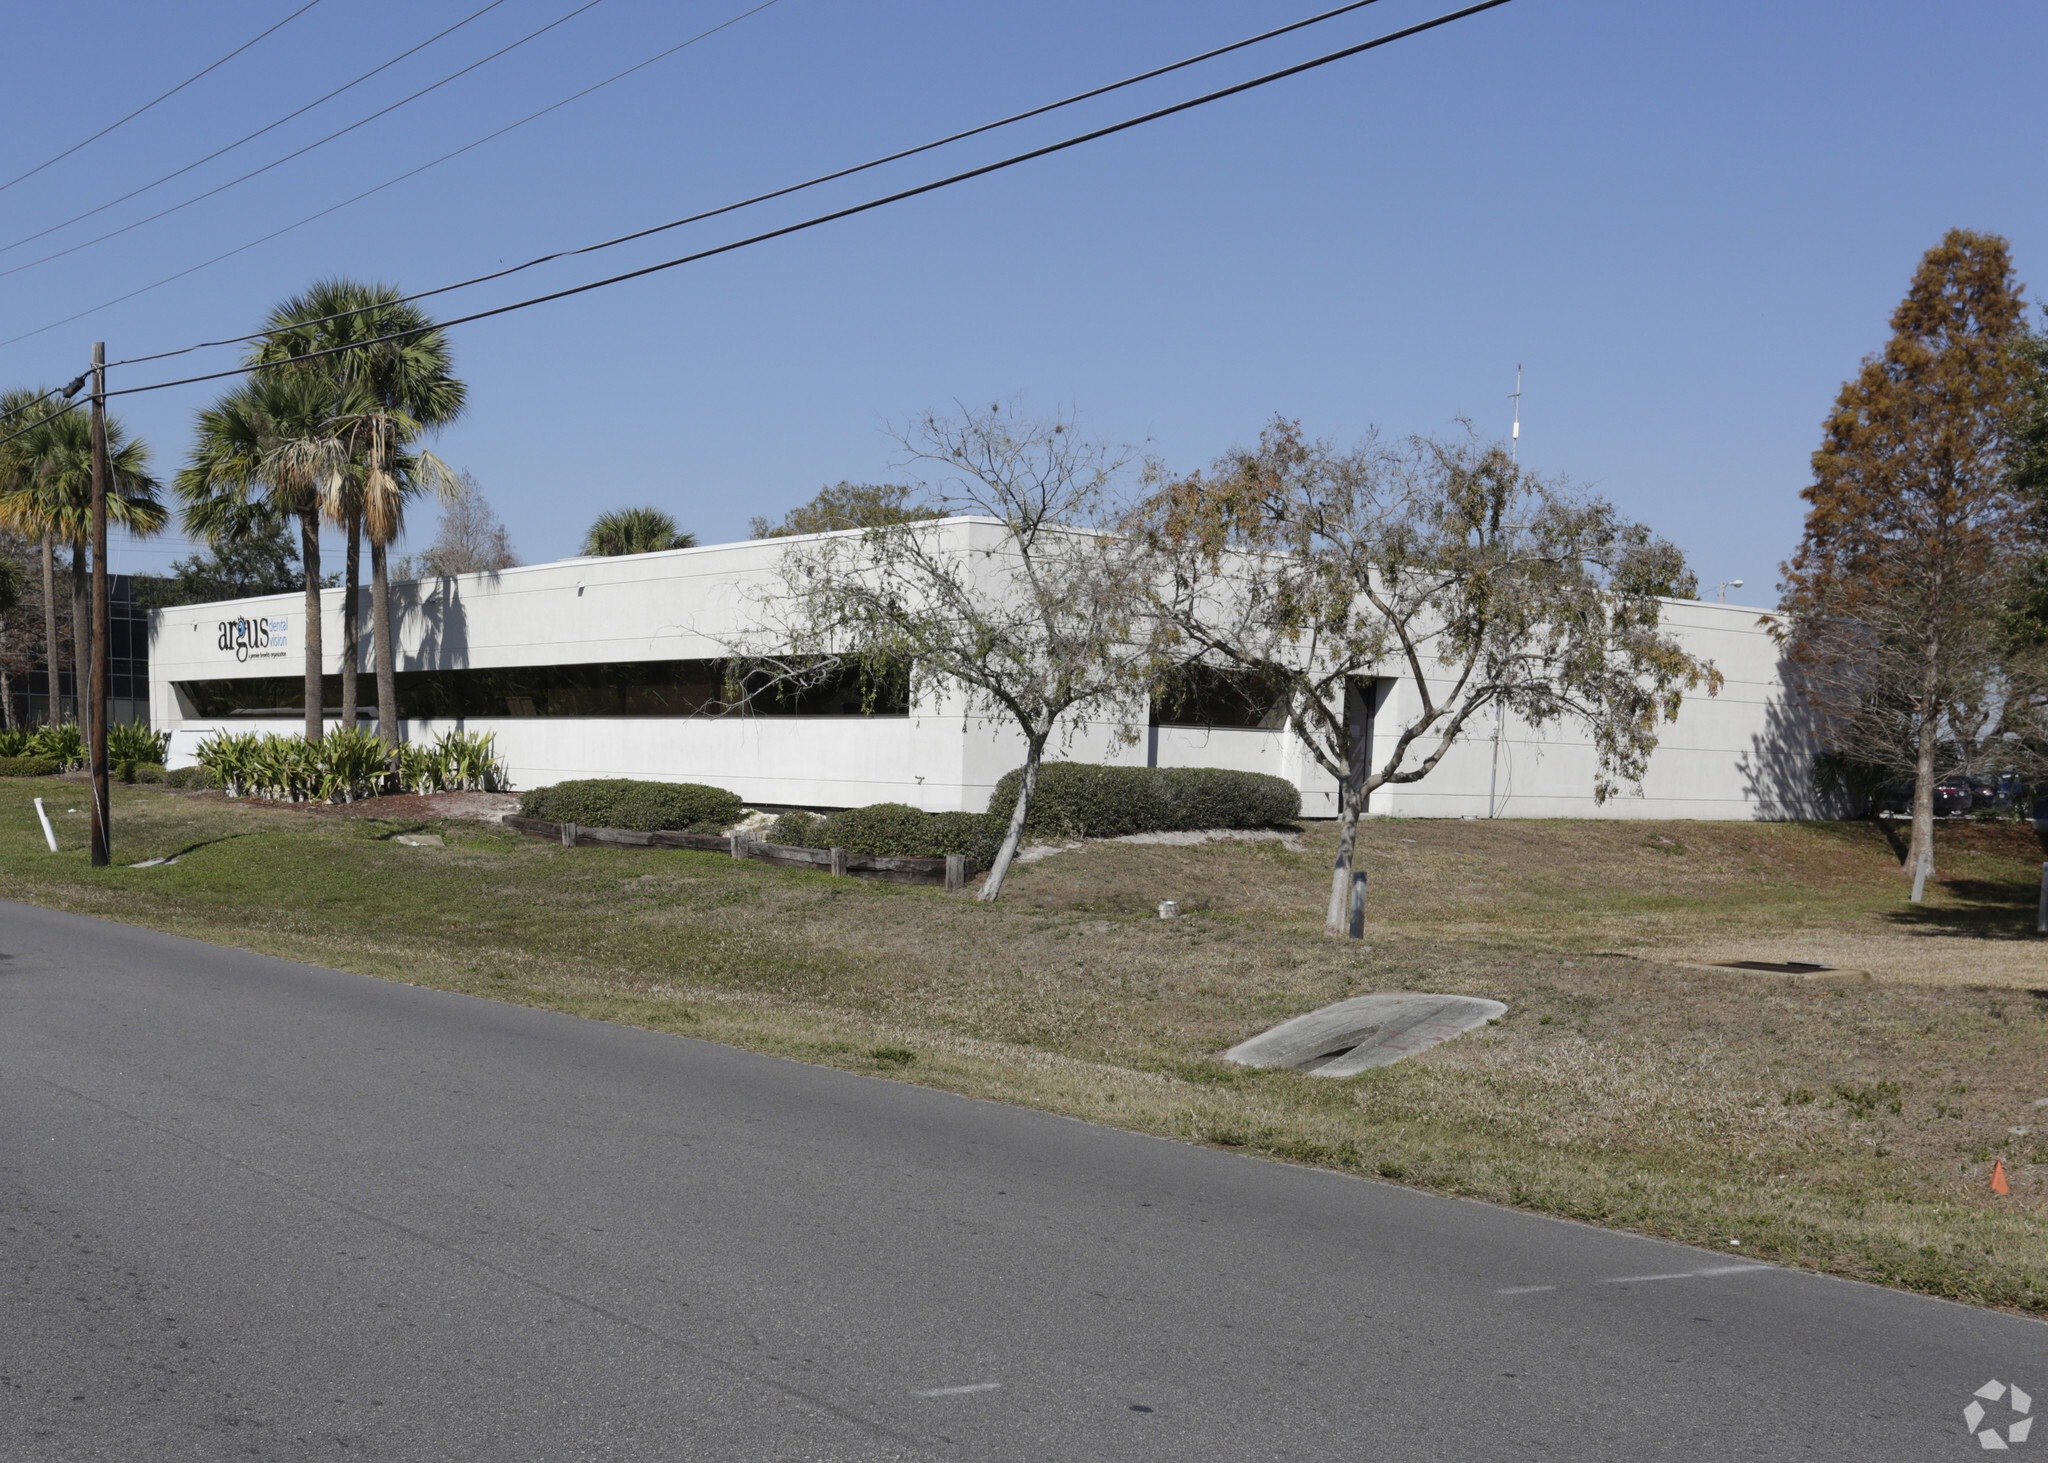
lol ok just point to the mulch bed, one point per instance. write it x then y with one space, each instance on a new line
475 807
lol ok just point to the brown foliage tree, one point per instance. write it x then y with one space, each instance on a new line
1894 595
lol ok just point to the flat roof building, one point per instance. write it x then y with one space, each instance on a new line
615 667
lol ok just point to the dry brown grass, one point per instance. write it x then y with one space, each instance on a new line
1839 1123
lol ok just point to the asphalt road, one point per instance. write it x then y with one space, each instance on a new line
263 1210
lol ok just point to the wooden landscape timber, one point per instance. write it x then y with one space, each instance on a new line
953 871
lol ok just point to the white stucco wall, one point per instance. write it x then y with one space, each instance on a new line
1738 755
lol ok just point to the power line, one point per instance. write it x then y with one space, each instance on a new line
164 98
301 152
783 192
44 421
367 192
251 137
67 392
859 208
1229 91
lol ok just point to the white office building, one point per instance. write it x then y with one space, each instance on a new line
614 667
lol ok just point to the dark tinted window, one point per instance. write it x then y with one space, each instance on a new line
1200 695
630 688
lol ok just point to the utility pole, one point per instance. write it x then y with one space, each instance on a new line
1515 437
102 850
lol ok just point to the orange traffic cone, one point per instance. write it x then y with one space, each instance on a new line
1998 1183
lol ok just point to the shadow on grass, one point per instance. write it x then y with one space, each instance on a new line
1990 909
208 843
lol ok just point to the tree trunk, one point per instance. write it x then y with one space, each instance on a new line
6 700
50 642
309 556
351 616
1338 920
380 632
1920 852
992 886
81 640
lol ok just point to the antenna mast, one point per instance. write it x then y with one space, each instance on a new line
1515 439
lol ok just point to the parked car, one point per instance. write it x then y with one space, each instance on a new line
1983 791
1952 795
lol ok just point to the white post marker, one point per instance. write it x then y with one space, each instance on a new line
50 836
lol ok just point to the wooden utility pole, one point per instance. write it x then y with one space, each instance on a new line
102 842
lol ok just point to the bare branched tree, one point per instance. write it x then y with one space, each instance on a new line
470 538
1022 603
1439 568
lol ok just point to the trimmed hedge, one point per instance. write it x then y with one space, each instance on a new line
622 802
142 771
1087 800
797 829
197 775
891 829
1074 800
894 830
30 767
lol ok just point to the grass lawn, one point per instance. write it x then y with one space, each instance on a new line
1848 1124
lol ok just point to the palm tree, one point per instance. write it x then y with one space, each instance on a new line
388 393
51 494
19 408
272 439
635 531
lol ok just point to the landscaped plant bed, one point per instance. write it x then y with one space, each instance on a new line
740 845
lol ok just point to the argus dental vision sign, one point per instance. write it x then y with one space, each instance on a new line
248 639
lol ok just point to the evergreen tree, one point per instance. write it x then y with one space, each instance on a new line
635 531
258 559
848 505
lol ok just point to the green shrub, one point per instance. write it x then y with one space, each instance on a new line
1087 800
127 742
621 802
887 829
346 764
893 830
193 776
16 741
469 762
149 772
63 744
975 834
29 767
797 829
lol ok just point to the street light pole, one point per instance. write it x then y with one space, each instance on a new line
102 851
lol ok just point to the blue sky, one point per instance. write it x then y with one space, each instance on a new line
1689 222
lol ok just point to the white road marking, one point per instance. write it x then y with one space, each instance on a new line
959 1391
1684 1274
1524 1289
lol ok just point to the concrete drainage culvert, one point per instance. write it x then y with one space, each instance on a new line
1366 1032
